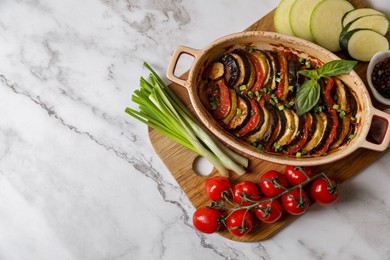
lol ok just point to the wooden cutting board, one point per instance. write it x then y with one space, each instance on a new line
180 160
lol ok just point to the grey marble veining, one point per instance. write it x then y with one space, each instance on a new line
79 178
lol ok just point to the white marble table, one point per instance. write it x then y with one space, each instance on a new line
79 178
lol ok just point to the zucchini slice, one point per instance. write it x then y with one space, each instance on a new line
241 116
289 129
325 23
362 44
342 100
300 14
233 107
282 17
378 23
316 136
356 13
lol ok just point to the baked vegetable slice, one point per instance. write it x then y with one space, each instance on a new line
259 134
378 23
356 13
325 24
362 44
300 14
282 17
231 69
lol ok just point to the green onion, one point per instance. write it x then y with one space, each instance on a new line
160 109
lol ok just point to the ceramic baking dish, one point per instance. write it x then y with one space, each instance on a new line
271 41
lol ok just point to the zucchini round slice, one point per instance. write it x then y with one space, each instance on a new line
300 14
362 44
325 23
356 13
282 17
378 23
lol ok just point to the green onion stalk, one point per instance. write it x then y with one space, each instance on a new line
162 110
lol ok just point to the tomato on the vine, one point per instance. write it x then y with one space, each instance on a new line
245 193
296 201
269 211
272 183
239 222
295 175
324 191
216 186
207 220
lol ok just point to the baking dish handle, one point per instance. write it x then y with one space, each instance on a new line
384 142
180 50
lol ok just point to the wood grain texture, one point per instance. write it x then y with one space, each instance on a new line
179 160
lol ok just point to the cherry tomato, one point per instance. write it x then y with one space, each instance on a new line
295 201
239 222
245 193
295 176
207 220
217 185
269 212
272 183
324 191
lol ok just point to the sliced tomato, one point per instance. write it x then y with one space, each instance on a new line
253 120
293 149
222 100
282 86
333 132
328 93
259 73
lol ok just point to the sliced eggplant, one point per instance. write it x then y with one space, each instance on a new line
282 129
293 76
250 70
274 69
302 136
214 72
258 135
246 72
272 128
352 103
231 69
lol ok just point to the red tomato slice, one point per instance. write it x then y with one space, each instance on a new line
253 120
223 100
258 73
298 146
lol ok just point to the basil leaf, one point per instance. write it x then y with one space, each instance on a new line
336 67
307 96
309 73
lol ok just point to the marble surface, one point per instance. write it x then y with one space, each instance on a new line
79 178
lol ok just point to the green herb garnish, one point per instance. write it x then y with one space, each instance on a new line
309 93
